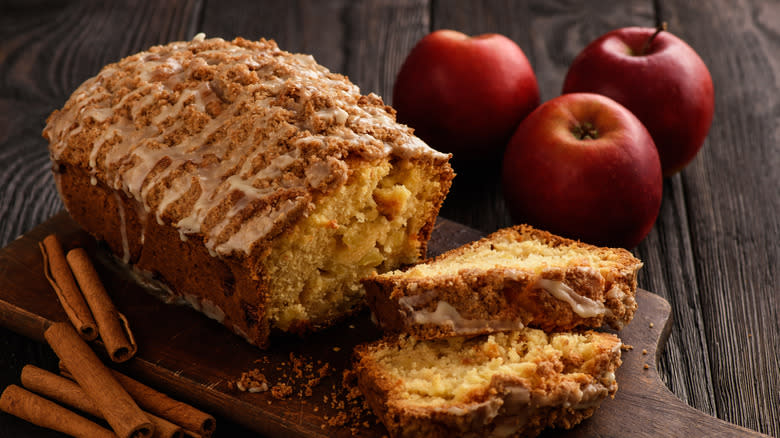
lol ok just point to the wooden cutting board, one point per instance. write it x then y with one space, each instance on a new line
193 358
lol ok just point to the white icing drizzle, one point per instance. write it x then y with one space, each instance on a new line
123 228
162 135
582 306
205 306
520 404
589 396
511 414
162 292
178 187
143 218
336 114
488 409
254 229
237 330
507 428
447 315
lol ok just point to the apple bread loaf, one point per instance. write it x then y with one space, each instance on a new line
248 181
500 385
513 278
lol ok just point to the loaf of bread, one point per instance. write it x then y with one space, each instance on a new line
507 384
248 181
513 278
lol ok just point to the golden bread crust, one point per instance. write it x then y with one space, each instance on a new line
230 291
478 301
227 140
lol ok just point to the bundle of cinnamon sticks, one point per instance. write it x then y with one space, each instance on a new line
87 304
90 386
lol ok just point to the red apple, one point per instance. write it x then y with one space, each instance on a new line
663 82
465 95
581 165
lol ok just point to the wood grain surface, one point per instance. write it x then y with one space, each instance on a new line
712 253
184 354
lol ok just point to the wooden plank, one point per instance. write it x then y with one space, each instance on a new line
670 268
193 358
685 366
27 193
731 191
380 35
47 48
305 26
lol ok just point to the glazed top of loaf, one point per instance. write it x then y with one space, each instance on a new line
227 139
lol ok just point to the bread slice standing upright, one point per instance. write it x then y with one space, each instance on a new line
515 277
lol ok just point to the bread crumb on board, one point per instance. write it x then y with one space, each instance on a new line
282 390
345 408
354 413
251 381
303 375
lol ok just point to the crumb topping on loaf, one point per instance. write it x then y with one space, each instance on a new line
226 139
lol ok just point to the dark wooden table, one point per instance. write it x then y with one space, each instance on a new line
713 252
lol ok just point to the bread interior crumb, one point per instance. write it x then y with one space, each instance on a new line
452 370
507 252
370 224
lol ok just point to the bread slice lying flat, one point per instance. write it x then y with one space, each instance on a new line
505 384
512 278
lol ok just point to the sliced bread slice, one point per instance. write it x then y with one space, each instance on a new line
515 277
505 384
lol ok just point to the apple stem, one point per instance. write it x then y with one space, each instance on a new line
660 28
586 131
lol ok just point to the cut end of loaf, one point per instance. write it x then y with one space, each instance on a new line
379 220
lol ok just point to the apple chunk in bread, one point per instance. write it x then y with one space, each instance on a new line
370 224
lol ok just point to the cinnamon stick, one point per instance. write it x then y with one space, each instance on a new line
176 412
189 418
41 412
70 393
112 325
56 269
115 404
